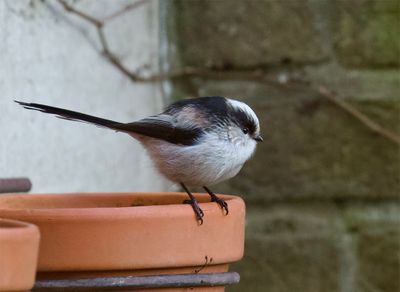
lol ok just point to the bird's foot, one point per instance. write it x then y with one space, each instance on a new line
222 203
197 211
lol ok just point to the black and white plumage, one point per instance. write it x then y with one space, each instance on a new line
196 142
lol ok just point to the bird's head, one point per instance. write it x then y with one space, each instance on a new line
245 123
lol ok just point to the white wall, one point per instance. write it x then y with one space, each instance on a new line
50 56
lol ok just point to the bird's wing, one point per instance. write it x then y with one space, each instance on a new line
164 127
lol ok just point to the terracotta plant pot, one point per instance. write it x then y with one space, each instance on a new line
110 234
19 247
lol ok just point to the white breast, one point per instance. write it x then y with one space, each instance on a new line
214 160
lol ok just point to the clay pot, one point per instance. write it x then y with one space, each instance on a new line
19 247
109 234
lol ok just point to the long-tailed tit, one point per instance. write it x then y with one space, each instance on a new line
196 142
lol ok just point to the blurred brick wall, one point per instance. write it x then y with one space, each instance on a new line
322 191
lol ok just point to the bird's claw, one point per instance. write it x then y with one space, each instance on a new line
222 203
197 211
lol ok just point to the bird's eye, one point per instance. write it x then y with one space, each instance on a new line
245 130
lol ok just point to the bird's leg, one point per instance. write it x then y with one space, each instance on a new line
195 205
221 202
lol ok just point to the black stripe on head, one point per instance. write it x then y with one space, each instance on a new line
243 120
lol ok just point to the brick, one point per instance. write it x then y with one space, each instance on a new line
379 265
248 33
368 33
290 247
289 263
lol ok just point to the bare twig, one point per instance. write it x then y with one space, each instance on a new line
81 14
368 122
124 10
105 47
115 61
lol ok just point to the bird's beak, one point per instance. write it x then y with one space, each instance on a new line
258 138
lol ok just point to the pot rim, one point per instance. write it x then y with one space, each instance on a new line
176 209
10 227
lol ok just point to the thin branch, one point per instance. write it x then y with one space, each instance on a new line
115 61
99 24
111 57
127 8
103 40
366 121
81 14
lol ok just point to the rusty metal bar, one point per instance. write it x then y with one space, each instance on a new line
15 185
138 282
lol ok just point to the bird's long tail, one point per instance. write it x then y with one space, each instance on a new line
73 116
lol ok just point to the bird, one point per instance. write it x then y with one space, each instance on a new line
194 142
